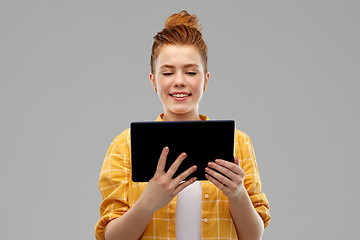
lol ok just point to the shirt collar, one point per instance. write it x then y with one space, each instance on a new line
202 117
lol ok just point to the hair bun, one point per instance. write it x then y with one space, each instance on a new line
183 18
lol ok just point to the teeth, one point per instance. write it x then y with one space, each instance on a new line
180 95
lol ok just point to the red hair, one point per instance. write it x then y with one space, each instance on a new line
183 29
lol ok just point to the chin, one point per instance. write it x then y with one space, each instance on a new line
181 111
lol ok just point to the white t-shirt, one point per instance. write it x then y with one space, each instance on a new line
188 213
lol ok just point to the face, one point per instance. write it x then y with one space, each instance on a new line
179 80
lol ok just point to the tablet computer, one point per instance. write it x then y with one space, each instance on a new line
202 141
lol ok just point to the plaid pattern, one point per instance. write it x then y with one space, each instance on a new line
120 193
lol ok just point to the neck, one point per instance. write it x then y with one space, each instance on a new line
181 117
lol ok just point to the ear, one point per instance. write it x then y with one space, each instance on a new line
206 81
152 81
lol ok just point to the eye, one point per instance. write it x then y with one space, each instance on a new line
167 73
191 73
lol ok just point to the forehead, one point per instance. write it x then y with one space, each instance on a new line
178 56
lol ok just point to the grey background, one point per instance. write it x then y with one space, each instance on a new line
74 74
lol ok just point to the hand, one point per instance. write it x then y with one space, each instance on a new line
231 182
162 188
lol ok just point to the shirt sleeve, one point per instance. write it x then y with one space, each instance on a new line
114 183
252 180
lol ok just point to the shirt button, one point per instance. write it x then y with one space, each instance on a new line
205 220
206 196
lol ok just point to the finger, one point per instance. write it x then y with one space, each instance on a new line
218 184
162 160
236 160
185 174
219 177
183 185
174 167
223 170
235 168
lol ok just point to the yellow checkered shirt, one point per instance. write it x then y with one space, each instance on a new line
119 193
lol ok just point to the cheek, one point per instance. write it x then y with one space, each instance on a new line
198 85
162 86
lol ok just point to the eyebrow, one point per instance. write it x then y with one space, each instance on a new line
185 66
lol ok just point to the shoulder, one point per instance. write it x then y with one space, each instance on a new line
241 136
122 140
124 136
242 140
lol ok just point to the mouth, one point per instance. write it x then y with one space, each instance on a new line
180 96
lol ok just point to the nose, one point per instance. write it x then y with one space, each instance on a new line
180 80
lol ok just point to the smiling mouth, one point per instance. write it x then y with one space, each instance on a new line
180 95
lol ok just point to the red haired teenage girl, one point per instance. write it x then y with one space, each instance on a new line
228 206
